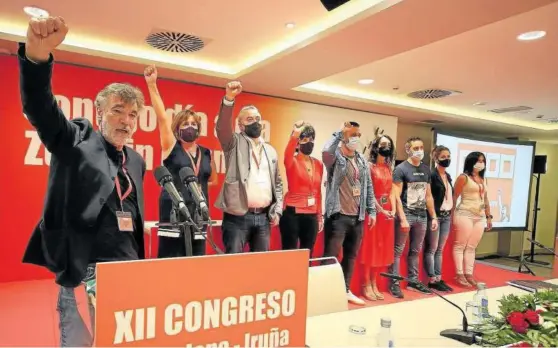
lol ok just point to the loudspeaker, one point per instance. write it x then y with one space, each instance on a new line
539 166
331 5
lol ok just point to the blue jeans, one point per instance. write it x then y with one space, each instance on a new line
417 223
252 229
434 248
73 331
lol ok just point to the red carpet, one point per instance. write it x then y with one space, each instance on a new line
28 309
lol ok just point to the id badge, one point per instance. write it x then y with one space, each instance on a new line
356 191
311 201
125 222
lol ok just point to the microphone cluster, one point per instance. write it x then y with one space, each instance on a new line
190 181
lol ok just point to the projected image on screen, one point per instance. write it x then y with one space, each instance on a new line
508 174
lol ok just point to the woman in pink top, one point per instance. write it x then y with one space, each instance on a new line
471 216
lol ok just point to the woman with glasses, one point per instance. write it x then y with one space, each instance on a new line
302 215
377 246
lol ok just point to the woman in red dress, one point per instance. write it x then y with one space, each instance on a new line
377 246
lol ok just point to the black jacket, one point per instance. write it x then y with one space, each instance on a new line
438 188
80 180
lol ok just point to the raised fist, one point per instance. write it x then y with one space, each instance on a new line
298 127
232 89
150 74
43 36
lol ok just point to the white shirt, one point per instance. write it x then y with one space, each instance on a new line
258 187
447 204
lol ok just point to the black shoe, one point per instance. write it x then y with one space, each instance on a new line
438 286
445 285
395 290
419 287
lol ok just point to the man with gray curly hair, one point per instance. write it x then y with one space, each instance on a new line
94 206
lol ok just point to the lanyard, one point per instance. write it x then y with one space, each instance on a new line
310 175
117 183
355 167
255 158
196 165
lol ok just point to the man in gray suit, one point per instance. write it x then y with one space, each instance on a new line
252 195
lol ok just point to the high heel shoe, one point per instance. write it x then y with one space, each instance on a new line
471 280
462 281
368 293
378 294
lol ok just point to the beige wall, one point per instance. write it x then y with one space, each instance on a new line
548 196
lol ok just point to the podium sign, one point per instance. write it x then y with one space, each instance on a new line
237 300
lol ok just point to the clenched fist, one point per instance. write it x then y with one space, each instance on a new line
150 74
43 36
298 128
232 89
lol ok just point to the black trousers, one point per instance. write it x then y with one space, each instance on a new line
295 227
343 232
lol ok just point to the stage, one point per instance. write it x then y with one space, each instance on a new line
28 309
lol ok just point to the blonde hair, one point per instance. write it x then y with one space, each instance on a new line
182 117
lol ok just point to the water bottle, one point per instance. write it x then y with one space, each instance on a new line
385 339
481 300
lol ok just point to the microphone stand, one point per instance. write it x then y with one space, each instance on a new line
463 335
185 228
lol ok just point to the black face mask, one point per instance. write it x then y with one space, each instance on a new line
445 162
188 134
384 151
306 148
253 130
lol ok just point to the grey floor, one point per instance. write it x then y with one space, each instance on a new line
513 265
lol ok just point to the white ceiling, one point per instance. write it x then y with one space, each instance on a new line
465 45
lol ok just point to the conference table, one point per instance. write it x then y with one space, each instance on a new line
413 323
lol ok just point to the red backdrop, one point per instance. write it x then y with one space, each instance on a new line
25 162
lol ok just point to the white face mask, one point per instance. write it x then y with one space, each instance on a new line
353 143
418 154
479 166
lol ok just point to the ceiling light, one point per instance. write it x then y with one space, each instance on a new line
290 25
479 103
366 81
531 35
35 11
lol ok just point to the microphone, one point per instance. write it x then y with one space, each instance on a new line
189 179
164 178
464 335
540 245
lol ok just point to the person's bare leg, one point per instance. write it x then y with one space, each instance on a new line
367 291
374 280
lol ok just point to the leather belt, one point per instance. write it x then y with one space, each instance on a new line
444 213
258 210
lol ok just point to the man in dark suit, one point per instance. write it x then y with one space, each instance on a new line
93 209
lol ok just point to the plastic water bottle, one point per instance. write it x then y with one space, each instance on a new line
481 300
385 339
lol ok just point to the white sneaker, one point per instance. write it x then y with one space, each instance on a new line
354 300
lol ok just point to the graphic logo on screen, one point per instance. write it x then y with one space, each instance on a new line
416 195
499 174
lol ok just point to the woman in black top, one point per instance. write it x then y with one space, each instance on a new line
435 241
179 150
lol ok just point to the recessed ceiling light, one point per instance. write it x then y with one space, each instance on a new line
479 103
35 11
366 81
531 35
290 25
